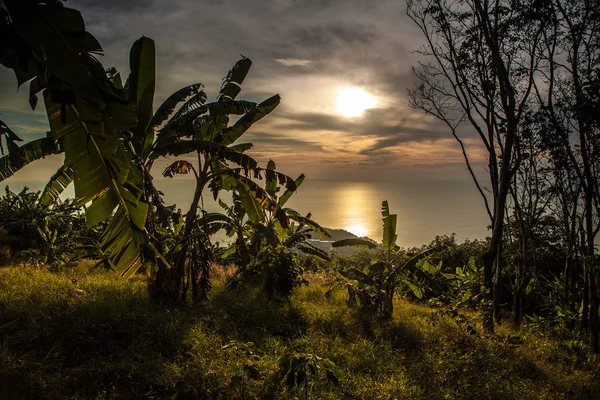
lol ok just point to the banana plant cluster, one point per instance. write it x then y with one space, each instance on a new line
91 122
374 286
110 137
284 227
36 231
275 230
200 132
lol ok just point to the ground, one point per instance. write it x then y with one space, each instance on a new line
85 334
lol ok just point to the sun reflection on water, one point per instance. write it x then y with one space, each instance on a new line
355 209
358 230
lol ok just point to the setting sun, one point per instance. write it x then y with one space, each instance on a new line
352 102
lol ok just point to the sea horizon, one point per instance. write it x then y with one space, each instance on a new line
425 208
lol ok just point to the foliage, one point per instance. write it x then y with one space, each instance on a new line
375 285
288 228
88 334
279 270
298 370
90 116
47 234
203 129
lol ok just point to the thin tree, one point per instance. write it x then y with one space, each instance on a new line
480 71
568 94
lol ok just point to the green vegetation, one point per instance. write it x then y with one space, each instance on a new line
430 323
375 285
88 334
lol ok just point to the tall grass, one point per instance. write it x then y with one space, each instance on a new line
92 335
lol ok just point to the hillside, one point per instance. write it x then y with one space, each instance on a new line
86 334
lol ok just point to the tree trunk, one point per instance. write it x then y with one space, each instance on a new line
566 282
517 297
585 305
488 312
593 311
243 253
164 287
497 291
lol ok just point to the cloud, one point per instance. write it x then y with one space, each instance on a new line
294 62
303 50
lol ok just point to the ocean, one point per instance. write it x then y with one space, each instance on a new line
425 208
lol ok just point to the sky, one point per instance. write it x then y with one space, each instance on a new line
308 51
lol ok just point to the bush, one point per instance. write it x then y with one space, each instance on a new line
279 269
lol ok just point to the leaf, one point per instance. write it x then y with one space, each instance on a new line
315 227
261 196
142 82
210 148
169 105
251 204
56 35
242 147
232 83
234 132
358 275
105 175
213 222
389 227
332 372
417 291
377 267
10 135
354 242
57 184
271 180
288 193
179 167
35 86
296 238
195 102
385 210
410 264
21 156
314 251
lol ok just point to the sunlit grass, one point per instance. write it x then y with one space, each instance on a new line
93 335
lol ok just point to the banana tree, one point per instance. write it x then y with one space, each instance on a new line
202 130
374 286
234 221
90 122
107 130
273 230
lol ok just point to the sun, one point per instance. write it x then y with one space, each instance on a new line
352 102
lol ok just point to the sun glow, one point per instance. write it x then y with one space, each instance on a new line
358 230
352 102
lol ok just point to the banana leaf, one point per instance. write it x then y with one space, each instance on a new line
57 184
354 242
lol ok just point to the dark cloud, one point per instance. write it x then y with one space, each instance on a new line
266 140
386 124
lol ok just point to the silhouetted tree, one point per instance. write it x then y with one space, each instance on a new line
484 56
568 92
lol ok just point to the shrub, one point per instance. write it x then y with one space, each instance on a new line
279 269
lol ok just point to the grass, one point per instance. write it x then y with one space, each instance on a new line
83 335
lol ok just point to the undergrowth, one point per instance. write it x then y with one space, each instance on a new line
84 335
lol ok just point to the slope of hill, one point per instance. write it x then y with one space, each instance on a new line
92 335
